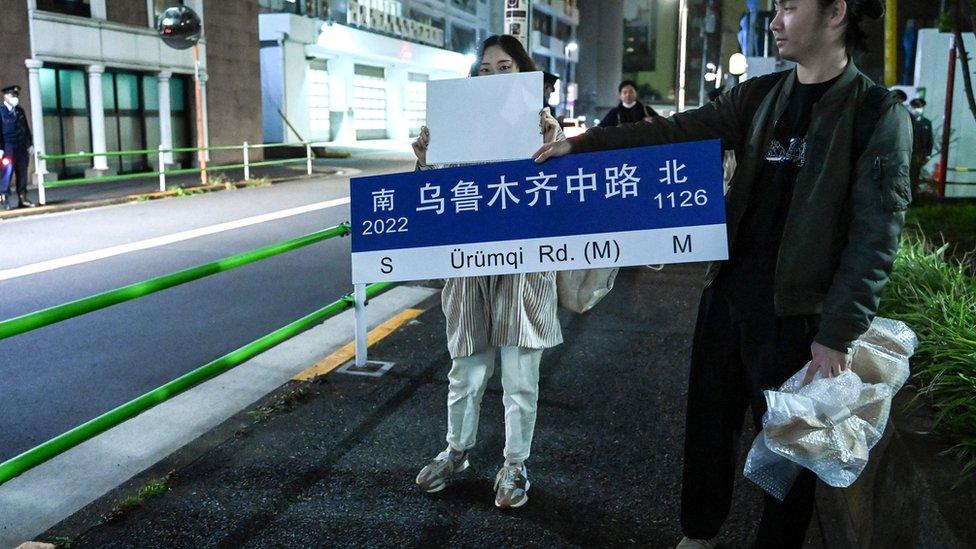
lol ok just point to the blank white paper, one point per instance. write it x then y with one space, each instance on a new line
484 118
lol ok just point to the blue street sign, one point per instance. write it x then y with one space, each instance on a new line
661 204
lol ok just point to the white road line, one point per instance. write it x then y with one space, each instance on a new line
95 255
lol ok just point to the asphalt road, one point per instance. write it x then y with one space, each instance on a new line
60 376
334 464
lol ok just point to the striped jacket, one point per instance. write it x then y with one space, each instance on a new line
504 310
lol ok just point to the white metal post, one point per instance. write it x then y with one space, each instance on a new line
247 162
162 170
360 294
39 174
308 158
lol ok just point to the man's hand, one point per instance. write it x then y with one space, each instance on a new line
30 150
828 362
551 150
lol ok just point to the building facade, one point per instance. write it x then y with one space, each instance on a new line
96 78
347 70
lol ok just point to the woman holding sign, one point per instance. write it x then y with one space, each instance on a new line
513 316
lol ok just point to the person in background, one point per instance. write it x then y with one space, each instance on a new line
511 316
630 110
17 145
922 139
548 87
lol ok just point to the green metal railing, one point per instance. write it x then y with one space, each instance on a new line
45 317
58 313
245 148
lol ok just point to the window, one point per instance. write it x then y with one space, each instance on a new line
416 111
318 100
463 40
541 22
369 102
179 116
124 119
427 19
311 8
67 127
467 5
81 8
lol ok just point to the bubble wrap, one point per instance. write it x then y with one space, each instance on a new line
830 425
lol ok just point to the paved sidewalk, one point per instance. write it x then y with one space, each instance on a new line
332 462
379 156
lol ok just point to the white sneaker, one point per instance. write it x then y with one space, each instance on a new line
435 476
688 543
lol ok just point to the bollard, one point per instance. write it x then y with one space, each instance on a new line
247 162
39 174
162 170
308 158
361 326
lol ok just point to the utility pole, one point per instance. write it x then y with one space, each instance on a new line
891 43
518 18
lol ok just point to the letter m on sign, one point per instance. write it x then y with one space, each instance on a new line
682 247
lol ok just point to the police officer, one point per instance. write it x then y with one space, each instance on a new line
17 144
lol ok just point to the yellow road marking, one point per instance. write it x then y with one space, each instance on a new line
348 351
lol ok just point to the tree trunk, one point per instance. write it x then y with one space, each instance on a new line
963 55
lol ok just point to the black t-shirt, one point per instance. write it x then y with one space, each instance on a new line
752 259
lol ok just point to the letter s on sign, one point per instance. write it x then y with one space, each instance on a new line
387 264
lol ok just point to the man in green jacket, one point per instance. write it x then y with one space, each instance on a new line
814 221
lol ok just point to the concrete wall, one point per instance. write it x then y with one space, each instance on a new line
662 78
601 38
234 76
128 12
15 46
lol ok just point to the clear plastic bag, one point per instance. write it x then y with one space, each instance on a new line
829 425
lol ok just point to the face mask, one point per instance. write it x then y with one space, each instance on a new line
918 111
13 101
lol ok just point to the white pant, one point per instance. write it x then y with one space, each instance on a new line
468 378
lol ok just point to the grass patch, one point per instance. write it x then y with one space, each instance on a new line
150 490
948 223
259 182
187 191
936 296
59 542
281 403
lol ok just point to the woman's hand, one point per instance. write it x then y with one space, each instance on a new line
548 126
420 146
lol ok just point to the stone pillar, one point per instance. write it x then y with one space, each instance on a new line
165 116
37 109
97 114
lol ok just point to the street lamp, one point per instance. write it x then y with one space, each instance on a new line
568 50
180 28
738 65
713 73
